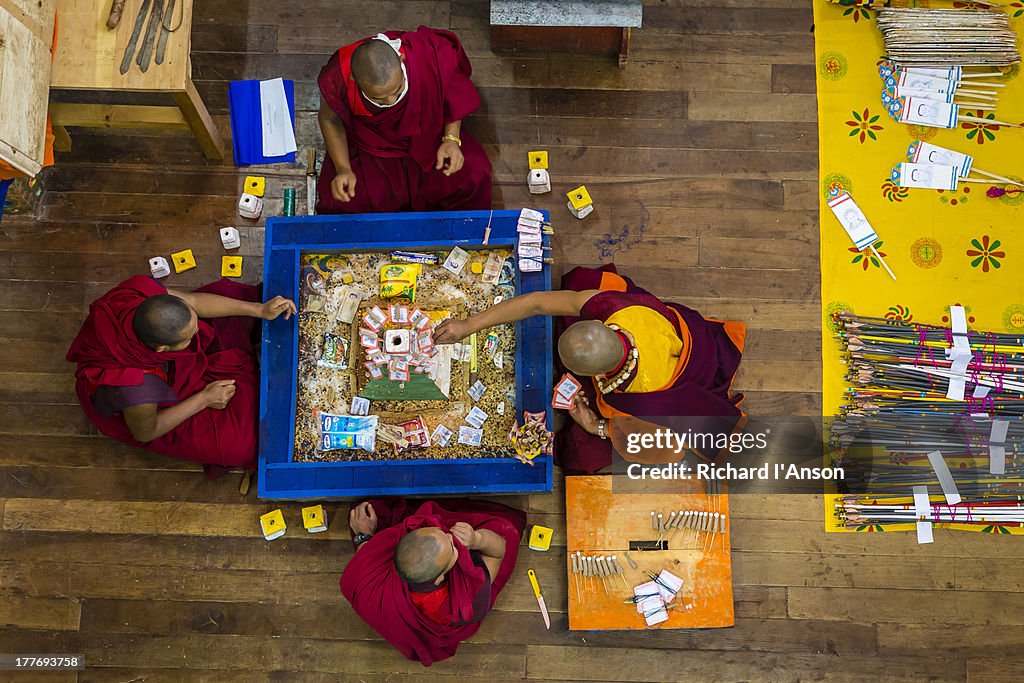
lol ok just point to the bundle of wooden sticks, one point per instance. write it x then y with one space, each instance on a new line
940 37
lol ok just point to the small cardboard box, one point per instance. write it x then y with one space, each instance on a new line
314 519
272 524
255 185
538 159
231 266
540 537
183 260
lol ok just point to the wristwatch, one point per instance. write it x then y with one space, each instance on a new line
361 538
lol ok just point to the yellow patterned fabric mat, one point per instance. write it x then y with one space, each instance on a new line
944 247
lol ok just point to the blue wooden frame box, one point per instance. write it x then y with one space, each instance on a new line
281 478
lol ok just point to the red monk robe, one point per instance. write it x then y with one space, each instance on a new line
686 367
393 150
116 370
428 627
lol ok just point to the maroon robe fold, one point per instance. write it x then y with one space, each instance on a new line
109 354
381 597
700 393
393 150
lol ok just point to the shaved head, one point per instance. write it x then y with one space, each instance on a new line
420 556
590 348
375 64
162 320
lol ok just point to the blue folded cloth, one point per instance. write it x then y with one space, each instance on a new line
247 125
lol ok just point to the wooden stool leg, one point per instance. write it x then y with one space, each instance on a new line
198 118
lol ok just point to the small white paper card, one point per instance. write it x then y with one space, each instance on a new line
926 153
456 260
441 436
921 510
922 94
997 447
476 417
917 81
470 436
853 221
671 580
929 113
945 478
278 134
477 390
925 176
360 406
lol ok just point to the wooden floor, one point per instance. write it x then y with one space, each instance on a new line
701 157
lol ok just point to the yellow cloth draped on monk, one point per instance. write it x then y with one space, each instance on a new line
656 341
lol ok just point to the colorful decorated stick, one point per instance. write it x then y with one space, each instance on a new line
931 113
925 176
920 152
952 73
902 78
948 98
857 227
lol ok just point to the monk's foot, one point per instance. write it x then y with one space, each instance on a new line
246 482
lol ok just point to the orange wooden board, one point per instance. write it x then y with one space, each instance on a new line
601 522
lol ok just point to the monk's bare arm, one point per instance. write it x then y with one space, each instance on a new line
215 306
567 302
453 128
148 422
335 138
492 547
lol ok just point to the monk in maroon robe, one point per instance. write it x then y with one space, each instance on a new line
391 115
425 574
175 374
644 363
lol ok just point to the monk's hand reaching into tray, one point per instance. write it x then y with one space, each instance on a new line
343 187
449 158
450 331
466 535
275 307
583 415
218 393
363 520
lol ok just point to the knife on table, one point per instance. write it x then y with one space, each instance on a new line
540 598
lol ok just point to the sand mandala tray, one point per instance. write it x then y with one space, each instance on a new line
364 330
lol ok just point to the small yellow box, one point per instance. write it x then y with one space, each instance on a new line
273 524
538 159
540 537
183 260
231 266
255 185
579 197
476 267
314 519
347 278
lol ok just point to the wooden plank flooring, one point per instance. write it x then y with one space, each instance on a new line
701 157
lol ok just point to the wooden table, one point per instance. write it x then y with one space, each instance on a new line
88 59
600 521
567 25
26 34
